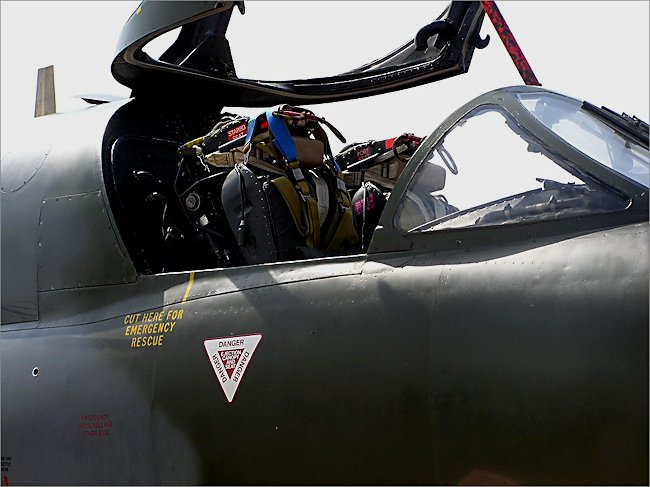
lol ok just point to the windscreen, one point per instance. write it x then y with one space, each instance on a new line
593 137
488 171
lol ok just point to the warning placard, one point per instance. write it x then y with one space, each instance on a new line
230 357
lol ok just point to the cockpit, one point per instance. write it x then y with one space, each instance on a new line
236 196
251 191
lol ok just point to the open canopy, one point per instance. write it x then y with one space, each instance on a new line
199 62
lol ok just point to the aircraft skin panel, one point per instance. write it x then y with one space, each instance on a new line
560 362
290 351
409 372
60 251
98 303
67 151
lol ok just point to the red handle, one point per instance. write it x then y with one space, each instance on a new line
510 42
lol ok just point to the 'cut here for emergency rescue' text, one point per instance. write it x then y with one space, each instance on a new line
149 329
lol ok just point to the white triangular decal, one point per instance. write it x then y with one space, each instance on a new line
230 357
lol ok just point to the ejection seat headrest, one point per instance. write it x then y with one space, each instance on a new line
311 152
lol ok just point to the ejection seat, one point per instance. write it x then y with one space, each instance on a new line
264 215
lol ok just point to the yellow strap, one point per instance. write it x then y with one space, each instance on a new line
197 141
313 239
225 159
310 213
261 136
341 230
262 164
309 207
345 232
305 215
291 198
267 149
332 228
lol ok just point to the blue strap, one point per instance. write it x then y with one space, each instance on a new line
250 129
282 138
334 164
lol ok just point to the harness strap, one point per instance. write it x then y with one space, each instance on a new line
310 208
297 192
266 149
281 137
291 198
304 215
284 143
277 139
343 232
250 129
341 229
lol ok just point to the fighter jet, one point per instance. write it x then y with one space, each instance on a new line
196 297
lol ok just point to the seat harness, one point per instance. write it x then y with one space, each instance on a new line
269 133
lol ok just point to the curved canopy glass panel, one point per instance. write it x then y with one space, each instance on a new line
593 136
487 171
